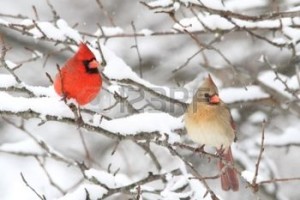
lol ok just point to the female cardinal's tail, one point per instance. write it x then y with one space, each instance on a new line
229 178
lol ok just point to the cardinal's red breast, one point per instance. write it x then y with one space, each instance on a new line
79 78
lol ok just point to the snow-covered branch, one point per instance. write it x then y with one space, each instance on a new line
131 142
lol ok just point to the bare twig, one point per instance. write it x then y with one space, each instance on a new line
137 50
151 91
277 180
148 150
150 178
85 147
254 181
42 197
196 53
3 62
51 181
106 13
226 13
195 172
103 63
50 151
99 130
54 12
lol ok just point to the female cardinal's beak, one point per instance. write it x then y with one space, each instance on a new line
214 99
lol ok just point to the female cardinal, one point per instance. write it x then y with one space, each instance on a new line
79 78
208 121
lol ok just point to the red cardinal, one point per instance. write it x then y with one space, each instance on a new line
79 78
208 121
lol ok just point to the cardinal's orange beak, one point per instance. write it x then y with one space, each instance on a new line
214 99
93 64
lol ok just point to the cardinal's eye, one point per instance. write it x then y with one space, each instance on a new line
206 95
91 66
86 63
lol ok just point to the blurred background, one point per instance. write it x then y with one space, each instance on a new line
237 59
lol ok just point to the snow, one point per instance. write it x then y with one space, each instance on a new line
94 191
109 31
164 5
233 5
176 6
145 122
289 136
97 118
269 78
48 29
43 105
114 88
110 180
174 183
235 114
46 102
216 22
249 176
24 146
258 117
237 5
40 91
178 183
213 22
253 92
4 22
197 188
213 4
68 31
10 64
7 80
292 33
26 22
117 69
160 3
168 195
37 53
296 8
270 23
60 33
280 41
146 32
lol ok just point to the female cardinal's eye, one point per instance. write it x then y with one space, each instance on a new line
206 95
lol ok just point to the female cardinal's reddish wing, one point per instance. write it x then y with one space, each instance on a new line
79 78
229 179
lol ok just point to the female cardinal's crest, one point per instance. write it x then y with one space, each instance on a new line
207 89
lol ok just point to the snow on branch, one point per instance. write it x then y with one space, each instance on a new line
146 147
289 137
287 86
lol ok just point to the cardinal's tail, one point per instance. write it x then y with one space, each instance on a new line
229 178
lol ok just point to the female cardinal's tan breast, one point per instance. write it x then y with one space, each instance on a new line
209 124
